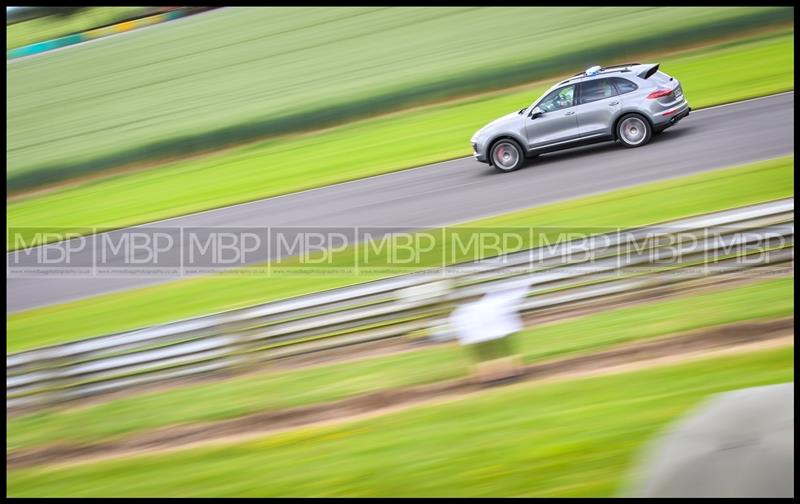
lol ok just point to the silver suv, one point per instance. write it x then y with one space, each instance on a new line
626 103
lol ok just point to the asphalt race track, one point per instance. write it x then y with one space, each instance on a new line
463 189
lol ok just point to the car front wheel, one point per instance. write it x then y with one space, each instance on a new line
507 156
634 131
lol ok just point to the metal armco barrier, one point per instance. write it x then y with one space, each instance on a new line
607 265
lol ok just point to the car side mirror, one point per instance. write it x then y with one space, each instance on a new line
536 112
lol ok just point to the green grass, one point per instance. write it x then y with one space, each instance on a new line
243 74
639 205
50 27
574 438
710 76
235 397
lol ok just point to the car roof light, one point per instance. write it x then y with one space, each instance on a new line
593 70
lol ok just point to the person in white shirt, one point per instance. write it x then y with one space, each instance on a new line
486 327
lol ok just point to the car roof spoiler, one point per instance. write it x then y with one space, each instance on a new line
649 71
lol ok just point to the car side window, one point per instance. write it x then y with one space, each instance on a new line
624 85
597 89
559 99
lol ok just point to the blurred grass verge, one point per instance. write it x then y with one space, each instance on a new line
50 27
635 206
710 76
572 438
270 390
241 74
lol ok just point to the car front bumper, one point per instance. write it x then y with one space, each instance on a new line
478 153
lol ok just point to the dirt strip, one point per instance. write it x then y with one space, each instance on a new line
672 348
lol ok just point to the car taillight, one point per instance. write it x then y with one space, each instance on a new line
658 93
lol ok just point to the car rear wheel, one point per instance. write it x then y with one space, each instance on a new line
634 131
507 156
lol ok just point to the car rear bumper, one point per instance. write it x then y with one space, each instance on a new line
671 116
681 115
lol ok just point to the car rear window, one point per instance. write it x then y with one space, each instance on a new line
624 85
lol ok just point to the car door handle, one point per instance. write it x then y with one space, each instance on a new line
613 103
571 112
